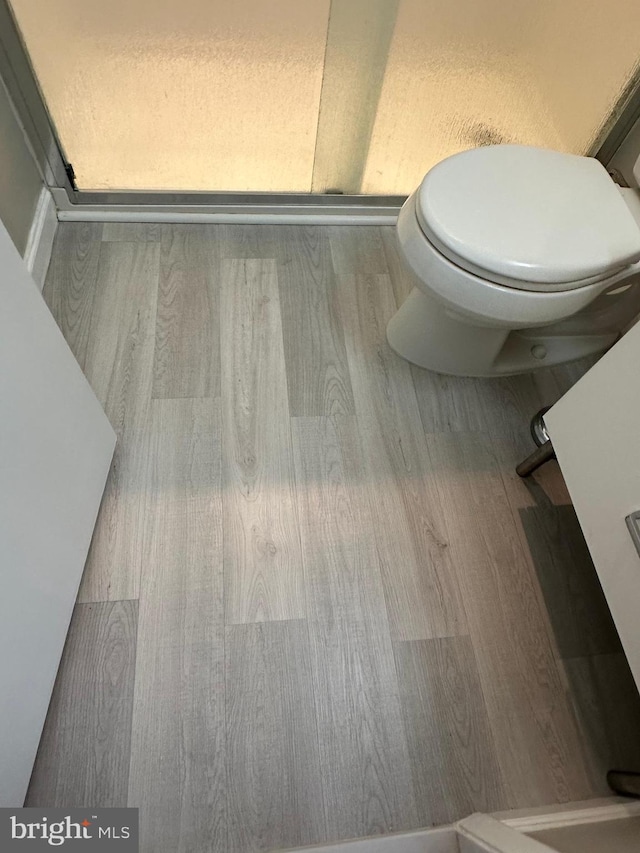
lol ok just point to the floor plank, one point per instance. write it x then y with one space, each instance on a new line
507 404
119 367
83 759
578 611
451 749
357 251
607 705
448 403
187 344
318 378
420 585
554 382
132 232
122 332
273 772
71 282
363 754
263 566
533 725
178 745
255 242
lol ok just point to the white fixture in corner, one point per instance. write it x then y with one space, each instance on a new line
37 254
520 257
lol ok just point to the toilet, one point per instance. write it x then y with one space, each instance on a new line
520 258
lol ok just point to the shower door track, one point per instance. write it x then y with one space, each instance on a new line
241 208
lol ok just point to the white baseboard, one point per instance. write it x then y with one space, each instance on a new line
41 236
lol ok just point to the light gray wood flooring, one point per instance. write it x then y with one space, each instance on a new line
319 603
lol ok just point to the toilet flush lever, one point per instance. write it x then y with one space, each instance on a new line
633 523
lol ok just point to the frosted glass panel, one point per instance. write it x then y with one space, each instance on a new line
584 56
181 94
472 72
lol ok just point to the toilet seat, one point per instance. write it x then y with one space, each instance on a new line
477 297
528 218
517 284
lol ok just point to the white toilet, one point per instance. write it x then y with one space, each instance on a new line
521 258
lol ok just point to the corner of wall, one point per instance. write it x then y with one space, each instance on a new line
20 177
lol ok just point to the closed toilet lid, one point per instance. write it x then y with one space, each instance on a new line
529 214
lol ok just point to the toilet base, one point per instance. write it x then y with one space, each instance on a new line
426 332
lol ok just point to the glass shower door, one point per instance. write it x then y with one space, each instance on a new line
347 96
181 94
455 74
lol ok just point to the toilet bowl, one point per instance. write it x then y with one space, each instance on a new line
520 257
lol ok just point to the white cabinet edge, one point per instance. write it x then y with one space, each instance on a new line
37 254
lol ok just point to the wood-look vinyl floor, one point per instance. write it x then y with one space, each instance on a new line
319 604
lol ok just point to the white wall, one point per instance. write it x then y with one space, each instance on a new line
20 180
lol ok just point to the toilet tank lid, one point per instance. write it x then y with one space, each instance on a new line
529 214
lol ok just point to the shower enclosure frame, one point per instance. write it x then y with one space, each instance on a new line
19 79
